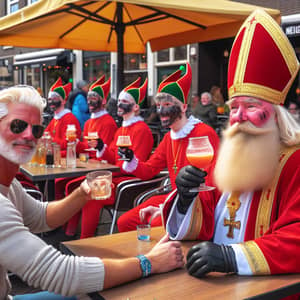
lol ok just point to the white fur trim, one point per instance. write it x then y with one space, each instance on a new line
61 113
186 129
131 121
99 114
126 96
130 166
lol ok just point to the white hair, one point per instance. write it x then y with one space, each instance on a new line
289 128
21 94
208 95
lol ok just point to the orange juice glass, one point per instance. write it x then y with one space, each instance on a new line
200 160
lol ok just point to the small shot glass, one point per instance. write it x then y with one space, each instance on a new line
143 232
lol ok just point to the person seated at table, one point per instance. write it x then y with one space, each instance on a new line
28 256
100 124
129 102
206 110
253 227
63 117
171 101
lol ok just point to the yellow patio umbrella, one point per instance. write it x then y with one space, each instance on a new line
123 26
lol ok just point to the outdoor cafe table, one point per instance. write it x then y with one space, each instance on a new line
177 284
44 176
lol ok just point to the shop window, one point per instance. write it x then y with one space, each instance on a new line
135 61
163 55
180 53
12 6
33 76
172 54
95 64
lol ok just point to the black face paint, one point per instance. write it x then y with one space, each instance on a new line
125 108
94 105
54 104
172 112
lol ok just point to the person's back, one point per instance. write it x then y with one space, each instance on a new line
80 107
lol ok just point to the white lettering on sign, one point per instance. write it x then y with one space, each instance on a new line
292 30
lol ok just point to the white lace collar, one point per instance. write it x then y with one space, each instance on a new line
186 129
99 114
61 113
131 121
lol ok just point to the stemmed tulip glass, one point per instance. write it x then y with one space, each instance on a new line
200 154
123 141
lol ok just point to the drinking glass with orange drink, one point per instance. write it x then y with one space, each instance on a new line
200 154
71 133
123 141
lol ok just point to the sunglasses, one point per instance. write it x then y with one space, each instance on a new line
17 126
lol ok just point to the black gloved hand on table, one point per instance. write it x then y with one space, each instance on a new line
125 153
208 257
100 144
188 177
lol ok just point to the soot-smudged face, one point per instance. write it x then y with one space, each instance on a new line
94 101
168 109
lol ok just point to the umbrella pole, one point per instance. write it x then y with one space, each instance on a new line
120 29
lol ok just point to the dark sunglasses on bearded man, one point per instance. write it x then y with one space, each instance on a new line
17 126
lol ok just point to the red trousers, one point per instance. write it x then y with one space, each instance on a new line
131 218
90 213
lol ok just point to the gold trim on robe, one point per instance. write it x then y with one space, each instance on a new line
255 258
196 221
264 210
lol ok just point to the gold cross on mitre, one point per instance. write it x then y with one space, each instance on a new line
233 204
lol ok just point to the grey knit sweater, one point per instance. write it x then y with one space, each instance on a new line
29 257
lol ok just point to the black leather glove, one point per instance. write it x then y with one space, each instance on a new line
208 257
125 153
187 178
100 144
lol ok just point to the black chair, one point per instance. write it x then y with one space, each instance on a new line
128 192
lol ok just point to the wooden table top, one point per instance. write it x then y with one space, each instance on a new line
178 284
37 173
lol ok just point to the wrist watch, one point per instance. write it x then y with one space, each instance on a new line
145 265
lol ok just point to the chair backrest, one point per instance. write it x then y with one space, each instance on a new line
128 190
164 188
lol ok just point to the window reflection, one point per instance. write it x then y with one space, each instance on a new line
135 61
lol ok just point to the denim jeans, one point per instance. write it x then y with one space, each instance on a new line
42 296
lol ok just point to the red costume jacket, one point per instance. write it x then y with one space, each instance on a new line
58 127
271 240
170 152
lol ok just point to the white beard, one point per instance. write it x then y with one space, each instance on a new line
248 157
17 157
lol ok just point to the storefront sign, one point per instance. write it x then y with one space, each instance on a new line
292 30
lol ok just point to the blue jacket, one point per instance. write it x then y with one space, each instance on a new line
80 109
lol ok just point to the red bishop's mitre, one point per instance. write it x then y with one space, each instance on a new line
262 63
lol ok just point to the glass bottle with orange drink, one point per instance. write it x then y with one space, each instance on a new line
200 154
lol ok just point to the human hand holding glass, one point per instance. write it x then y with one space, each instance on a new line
200 154
92 138
123 141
